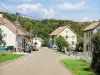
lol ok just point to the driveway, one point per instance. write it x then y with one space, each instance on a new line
42 62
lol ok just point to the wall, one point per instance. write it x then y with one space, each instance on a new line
20 41
10 38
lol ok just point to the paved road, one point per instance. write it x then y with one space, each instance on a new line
42 62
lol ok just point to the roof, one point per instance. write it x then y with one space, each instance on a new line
92 26
14 28
58 30
21 31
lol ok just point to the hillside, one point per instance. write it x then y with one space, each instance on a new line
43 28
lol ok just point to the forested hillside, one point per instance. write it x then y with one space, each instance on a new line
42 28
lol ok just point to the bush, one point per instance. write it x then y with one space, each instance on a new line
61 43
79 46
3 53
96 52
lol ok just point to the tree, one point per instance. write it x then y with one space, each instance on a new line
27 26
1 38
61 43
96 52
79 45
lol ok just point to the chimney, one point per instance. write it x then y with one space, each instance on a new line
0 14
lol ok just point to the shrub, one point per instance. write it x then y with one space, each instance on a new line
61 42
96 52
3 53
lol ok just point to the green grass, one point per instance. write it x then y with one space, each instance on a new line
78 67
5 57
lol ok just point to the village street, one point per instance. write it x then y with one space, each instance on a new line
42 62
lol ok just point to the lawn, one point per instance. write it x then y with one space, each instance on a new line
5 57
78 67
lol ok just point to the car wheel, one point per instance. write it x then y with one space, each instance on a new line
29 51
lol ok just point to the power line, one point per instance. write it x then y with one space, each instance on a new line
19 13
5 9
30 16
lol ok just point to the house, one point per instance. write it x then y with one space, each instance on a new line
37 40
14 35
88 33
67 33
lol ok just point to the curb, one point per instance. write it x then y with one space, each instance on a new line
67 68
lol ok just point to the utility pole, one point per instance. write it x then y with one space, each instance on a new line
17 23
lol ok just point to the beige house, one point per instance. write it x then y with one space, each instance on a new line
67 33
88 33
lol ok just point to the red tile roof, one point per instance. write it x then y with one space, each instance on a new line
58 30
92 26
13 27
8 23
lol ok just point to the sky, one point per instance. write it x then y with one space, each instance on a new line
76 10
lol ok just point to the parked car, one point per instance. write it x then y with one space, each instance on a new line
35 46
27 49
54 47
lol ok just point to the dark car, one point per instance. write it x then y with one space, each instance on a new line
27 49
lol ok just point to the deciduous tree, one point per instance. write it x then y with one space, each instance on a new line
96 52
61 43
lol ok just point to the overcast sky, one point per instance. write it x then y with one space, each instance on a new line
77 10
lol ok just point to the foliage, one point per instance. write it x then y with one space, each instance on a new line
79 46
27 26
7 56
1 38
96 52
79 67
42 28
61 42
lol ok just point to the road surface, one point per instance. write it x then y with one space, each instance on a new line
42 62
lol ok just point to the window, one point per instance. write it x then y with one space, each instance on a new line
5 35
66 36
73 37
66 31
73 42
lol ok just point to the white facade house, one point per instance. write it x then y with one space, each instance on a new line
88 33
13 35
67 33
8 36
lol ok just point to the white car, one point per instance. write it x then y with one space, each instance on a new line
54 47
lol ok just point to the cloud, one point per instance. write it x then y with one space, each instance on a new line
26 0
20 0
72 7
85 19
29 8
49 13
